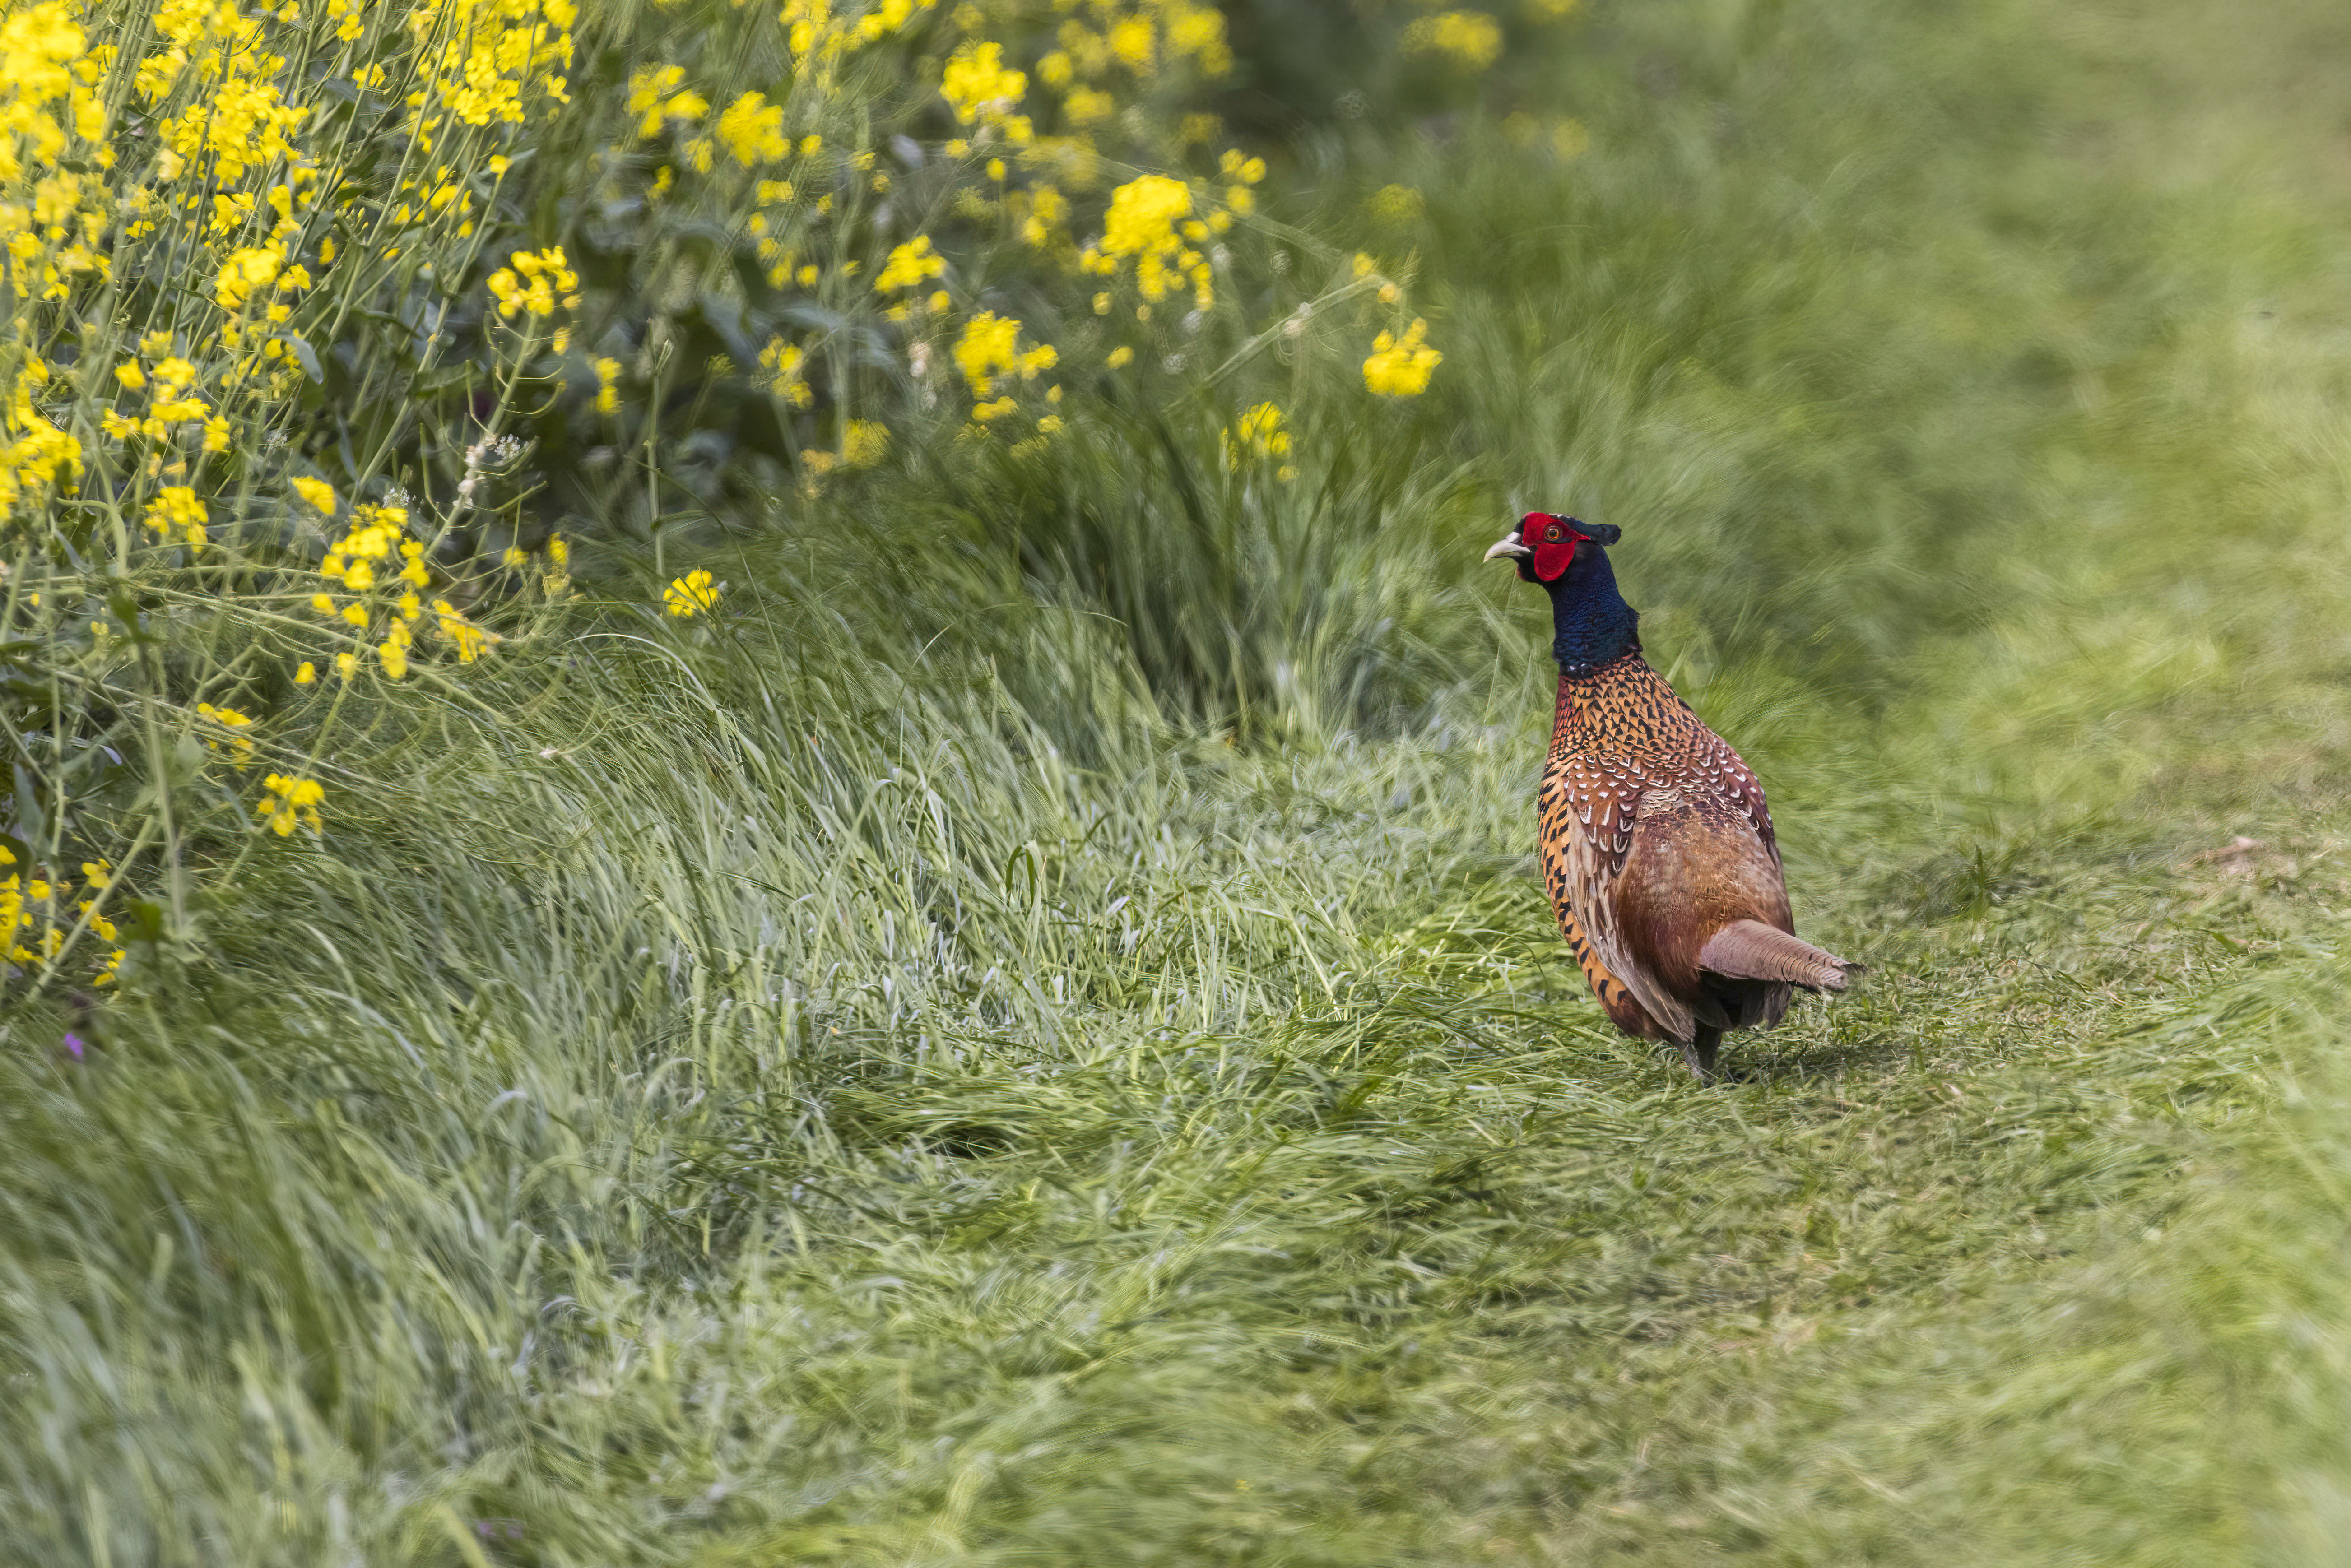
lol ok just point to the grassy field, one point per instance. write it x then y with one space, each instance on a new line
1034 1037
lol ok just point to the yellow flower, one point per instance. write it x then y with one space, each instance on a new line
317 492
175 510
690 594
538 283
910 266
392 651
1141 224
1047 211
1400 367
245 272
296 800
1131 40
989 346
1119 357
865 443
608 386
782 362
654 96
235 723
752 128
1256 435
1470 40
307 674
462 634
976 83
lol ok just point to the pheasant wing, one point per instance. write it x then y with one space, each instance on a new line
1587 811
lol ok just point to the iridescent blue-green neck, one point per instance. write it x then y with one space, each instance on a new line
1591 623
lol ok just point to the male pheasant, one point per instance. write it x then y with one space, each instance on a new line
1657 847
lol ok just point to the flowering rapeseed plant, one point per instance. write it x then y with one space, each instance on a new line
303 305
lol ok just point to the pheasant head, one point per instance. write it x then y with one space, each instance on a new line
1591 623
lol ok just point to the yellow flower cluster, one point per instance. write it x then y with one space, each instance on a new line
983 90
1152 37
291 802
865 443
244 122
1150 221
990 347
484 61
537 282
178 514
752 130
690 595
1400 367
34 453
34 905
238 726
1260 436
657 95
1468 40
779 363
1244 171
386 603
52 233
910 266
173 400
816 32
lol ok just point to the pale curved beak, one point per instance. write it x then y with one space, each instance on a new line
1508 545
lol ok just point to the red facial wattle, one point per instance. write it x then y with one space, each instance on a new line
1553 540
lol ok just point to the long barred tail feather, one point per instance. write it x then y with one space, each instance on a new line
1750 950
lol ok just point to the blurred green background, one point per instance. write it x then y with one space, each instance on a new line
1034 1037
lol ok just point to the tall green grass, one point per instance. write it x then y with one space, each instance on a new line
1034 1037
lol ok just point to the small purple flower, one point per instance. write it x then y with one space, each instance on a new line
73 1044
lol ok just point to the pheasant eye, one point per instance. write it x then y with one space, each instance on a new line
1550 534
